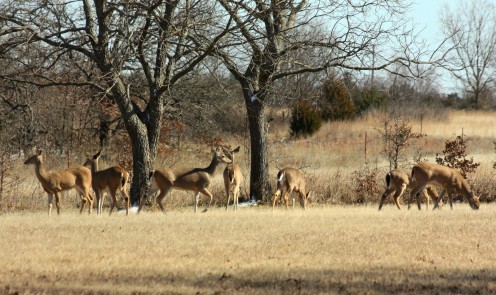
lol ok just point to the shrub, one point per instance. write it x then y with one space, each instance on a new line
305 120
455 156
365 185
338 104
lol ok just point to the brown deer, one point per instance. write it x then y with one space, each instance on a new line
232 179
56 182
397 181
196 180
112 179
449 179
290 180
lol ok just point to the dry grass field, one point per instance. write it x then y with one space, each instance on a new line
253 251
330 248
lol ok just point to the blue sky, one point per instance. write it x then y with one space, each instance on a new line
425 15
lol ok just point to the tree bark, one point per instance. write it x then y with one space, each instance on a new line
144 131
260 187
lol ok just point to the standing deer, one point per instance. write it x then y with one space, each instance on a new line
449 179
196 180
56 182
232 179
112 179
289 180
397 181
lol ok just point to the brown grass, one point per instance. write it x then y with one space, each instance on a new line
253 251
328 159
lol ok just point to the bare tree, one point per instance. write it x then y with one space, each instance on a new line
471 29
270 36
110 43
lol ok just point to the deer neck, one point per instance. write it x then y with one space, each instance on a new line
41 172
465 189
94 167
213 166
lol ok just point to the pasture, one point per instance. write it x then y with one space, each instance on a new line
327 249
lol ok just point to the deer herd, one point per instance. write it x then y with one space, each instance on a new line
424 179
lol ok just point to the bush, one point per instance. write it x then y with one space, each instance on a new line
338 104
305 120
455 156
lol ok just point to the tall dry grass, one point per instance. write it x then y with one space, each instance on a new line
330 249
330 159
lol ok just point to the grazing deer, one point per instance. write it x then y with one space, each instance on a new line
111 179
397 182
449 179
55 182
289 180
196 180
232 179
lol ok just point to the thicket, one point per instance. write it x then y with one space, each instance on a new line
305 119
455 156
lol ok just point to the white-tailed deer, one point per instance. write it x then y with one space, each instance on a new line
291 180
449 179
112 179
397 181
232 179
196 180
56 182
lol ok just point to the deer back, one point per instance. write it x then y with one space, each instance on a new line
66 179
111 178
291 178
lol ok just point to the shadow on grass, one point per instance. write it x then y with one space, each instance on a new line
393 281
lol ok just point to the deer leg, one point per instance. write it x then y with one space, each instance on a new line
398 194
145 197
236 197
98 195
439 199
195 200
228 192
83 203
127 200
286 197
50 200
57 202
90 199
99 204
276 196
419 199
208 194
303 201
114 201
160 197
415 192
229 198
427 199
389 190
450 198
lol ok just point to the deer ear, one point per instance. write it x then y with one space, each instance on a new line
97 155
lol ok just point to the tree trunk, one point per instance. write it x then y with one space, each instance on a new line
144 131
260 187
142 163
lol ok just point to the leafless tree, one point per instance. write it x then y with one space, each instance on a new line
110 43
470 28
271 35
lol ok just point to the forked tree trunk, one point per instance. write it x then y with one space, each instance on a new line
260 187
144 132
